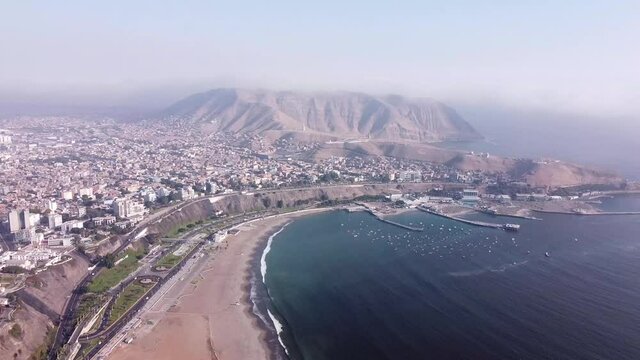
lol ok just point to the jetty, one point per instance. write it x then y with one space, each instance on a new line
378 216
470 222
407 227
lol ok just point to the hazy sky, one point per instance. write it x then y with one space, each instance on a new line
579 56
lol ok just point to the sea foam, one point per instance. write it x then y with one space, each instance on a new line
263 259
263 270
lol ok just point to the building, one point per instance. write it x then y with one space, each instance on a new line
126 208
71 224
25 235
21 220
66 195
150 197
104 220
5 139
54 220
470 196
163 192
86 192
186 193
410 176
29 259
51 205
78 211
14 221
25 219
63 241
34 219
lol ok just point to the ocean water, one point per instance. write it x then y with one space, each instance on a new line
347 286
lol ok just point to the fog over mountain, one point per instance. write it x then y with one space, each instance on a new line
340 114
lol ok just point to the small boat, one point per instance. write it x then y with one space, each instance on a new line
511 227
547 254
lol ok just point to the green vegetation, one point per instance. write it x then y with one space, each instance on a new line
109 278
89 304
127 298
184 227
372 198
168 261
87 347
96 325
16 331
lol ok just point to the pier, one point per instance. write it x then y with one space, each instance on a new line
407 227
364 207
470 222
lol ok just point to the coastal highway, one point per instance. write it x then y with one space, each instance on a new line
192 265
66 325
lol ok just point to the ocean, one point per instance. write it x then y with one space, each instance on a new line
347 286
602 143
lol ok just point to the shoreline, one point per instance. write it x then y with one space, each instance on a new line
211 312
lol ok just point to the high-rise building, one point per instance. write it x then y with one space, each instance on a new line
25 219
14 221
51 204
119 207
54 220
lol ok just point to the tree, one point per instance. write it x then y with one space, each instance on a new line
280 204
109 260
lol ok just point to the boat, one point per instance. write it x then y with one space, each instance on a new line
547 254
511 227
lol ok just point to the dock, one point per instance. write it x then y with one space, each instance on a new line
470 222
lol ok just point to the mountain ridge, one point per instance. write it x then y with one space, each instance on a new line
337 114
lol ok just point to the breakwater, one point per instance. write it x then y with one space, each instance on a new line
470 222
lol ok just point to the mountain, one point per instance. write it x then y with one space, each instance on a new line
337 115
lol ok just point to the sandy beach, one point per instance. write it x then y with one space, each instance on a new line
207 315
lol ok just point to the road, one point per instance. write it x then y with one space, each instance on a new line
66 325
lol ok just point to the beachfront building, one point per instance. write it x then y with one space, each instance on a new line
470 196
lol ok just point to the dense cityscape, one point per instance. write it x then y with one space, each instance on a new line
71 187
70 183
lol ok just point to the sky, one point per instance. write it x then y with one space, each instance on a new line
574 56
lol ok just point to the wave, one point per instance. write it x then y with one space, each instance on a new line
253 295
501 268
273 325
263 259
279 329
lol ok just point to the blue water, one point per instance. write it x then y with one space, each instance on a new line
347 286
